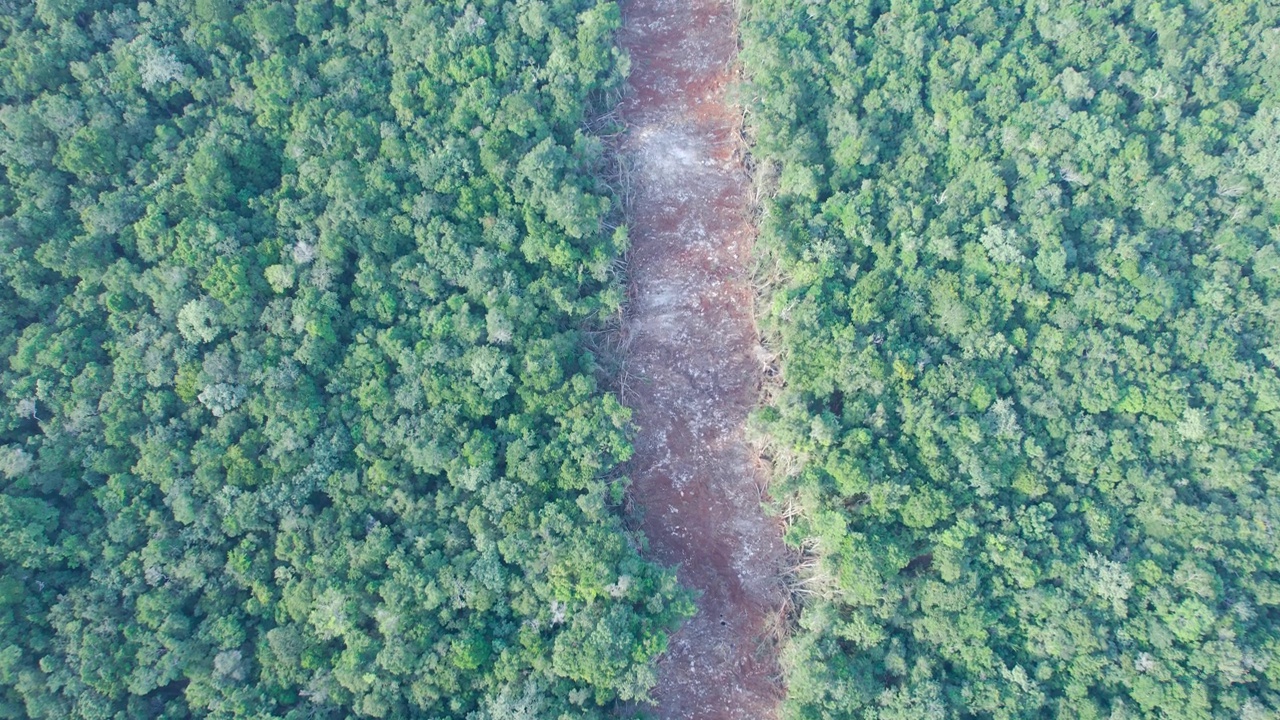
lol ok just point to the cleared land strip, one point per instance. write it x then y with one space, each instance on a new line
692 359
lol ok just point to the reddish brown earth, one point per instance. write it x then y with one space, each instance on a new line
692 359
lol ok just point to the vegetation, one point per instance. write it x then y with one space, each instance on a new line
297 419
1026 267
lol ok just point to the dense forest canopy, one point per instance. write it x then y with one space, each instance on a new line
297 418
1025 259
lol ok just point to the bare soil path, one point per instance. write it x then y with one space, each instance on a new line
692 359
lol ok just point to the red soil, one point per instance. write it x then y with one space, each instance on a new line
693 359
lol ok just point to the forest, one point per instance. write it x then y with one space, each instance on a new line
298 420
300 416
1022 271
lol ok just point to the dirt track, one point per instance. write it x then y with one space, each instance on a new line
693 359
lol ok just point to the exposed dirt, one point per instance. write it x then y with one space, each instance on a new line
692 359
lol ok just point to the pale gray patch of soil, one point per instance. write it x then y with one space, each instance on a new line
692 360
